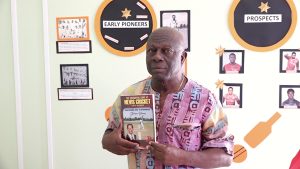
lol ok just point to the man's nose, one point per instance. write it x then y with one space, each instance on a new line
158 56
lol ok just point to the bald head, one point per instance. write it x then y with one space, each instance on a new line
167 34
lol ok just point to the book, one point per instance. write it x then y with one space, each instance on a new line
138 113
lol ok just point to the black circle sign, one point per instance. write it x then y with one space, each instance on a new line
262 25
123 26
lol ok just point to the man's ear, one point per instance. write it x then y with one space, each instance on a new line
183 56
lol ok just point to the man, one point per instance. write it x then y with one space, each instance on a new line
130 136
291 102
231 99
293 63
190 124
232 67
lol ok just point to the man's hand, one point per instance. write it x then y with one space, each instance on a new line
114 143
168 155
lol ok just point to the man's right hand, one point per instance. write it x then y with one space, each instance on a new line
113 142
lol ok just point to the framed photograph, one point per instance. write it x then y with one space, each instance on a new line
74 75
231 95
72 28
289 60
180 20
75 93
232 61
289 96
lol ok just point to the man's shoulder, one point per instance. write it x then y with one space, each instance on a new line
195 84
136 88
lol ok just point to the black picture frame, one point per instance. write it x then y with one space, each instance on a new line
181 23
74 75
237 90
283 95
284 61
224 60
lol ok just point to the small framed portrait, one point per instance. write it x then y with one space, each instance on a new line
232 61
74 75
289 96
231 95
289 60
72 28
180 20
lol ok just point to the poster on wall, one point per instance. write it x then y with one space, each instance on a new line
262 25
73 35
74 75
289 96
123 26
231 95
180 20
289 60
232 61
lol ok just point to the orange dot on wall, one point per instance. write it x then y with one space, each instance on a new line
107 113
240 153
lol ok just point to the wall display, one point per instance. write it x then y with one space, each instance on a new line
123 26
262 26
289 60
289 96
231 95
75 93
74 75
72 28
180 20
73 47
232 61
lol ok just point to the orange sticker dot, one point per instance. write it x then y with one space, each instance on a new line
107 113
240 153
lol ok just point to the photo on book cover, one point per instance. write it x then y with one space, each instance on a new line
138 118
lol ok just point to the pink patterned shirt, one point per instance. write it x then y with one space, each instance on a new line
191 119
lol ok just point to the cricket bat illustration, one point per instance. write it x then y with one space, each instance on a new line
261 131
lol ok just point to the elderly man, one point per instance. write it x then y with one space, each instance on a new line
190 124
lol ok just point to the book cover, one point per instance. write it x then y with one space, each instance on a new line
138 118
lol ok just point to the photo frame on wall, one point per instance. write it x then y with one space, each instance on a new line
289 61
232 61
72 28
231 95
74 75
180 20
289 96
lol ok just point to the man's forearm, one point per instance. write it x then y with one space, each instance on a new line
209 158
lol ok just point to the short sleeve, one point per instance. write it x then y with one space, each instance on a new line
214 128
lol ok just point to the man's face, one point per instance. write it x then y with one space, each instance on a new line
293 55
130 129
164 56
230 90
232 58
291 95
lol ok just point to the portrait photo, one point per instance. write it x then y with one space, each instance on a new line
232 61
74 75
289 60
72 28
231 95
289 96
180 20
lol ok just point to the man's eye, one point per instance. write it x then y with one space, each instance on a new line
168 51
151 50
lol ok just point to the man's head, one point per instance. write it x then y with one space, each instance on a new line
130 128
165 53
232 58
174 17
290 93
293 54
230 90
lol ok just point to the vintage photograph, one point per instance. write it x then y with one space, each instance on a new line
74 75
289 60
72 28
289 96
180 20
231 95
232 61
